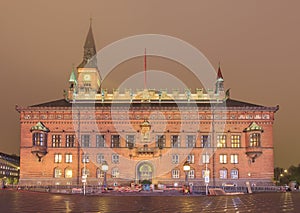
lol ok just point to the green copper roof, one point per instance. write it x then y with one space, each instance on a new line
39 127
73 77
253 127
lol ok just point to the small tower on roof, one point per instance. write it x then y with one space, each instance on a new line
219 83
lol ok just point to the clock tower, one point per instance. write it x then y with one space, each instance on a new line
88 80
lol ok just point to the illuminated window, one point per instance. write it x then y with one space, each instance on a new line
235 141
223 159
115 141
70 140
223 174
254 140
115 173
39 139
175 158
100 140
205 172
205 158
175 141
234 174
57 172
205 141
175 173
68 173
221 141
69 158
85 140
56 140
234 158
57 158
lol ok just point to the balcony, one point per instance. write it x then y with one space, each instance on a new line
145 150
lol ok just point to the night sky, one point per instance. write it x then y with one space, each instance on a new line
257 43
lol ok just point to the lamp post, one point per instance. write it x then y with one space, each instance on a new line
104 168
186 169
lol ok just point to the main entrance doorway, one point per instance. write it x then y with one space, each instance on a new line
144 171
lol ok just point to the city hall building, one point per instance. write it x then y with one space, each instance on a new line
144 135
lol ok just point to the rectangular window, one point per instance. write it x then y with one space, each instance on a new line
68 158
175 158
130 141
234 159
56 140
205 158
191 174
57 158
85 140
235 141
223 159
115 141
175 141
221 141
115 158
190 141
254 140
100 158
191 158
205 141
85 158
100 140
160 141
70 140
175 173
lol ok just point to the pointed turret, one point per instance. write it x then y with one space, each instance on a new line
90 54
220 82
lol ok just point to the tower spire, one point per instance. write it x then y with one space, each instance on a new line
219 72
220 82
89 55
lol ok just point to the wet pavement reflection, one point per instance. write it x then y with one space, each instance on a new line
23 201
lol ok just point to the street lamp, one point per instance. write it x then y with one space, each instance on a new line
186 169
104 168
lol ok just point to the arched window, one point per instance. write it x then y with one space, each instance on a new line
191 174
223 173
99 173
85 171
234 174
175 173
57 172
115 173
68 173
254 140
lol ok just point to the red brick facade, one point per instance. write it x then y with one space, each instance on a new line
144 139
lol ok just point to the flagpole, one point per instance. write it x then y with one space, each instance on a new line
145 68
